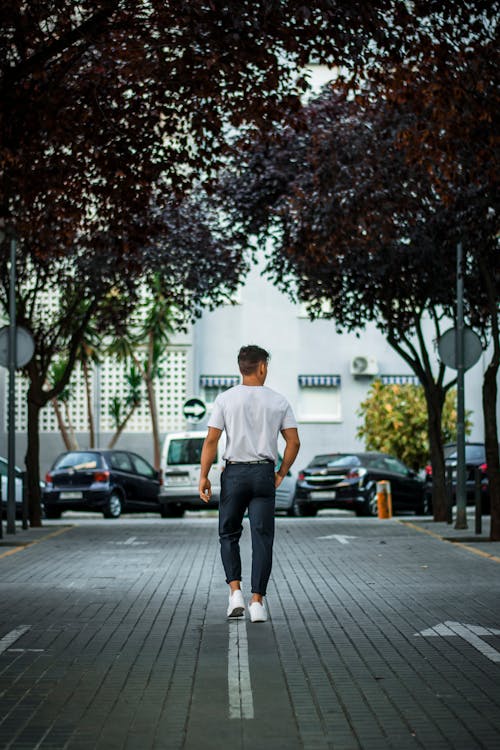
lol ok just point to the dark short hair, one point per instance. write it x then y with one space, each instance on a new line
249 358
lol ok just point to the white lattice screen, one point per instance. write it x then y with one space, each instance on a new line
171 391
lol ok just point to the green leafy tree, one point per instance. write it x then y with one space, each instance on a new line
395 422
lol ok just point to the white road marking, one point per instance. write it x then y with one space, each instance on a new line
131 541
469 633
22 650
12 637
342 538
238 672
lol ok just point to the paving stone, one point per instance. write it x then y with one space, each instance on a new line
134 642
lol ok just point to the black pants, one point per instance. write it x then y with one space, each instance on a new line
247 486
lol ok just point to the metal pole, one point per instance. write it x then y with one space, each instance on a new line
461 519
449 494
11 451
477 501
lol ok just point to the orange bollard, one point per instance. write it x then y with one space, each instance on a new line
384 499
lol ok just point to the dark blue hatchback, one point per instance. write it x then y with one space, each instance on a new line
107 481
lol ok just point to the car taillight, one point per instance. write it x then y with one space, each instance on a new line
101 476
356 473
483 468
301 476
48 477
428 470
160 477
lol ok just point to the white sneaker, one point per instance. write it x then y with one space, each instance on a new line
236 606
258 612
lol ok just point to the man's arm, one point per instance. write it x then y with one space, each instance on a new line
208 455
292 446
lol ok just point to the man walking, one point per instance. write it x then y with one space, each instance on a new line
252 416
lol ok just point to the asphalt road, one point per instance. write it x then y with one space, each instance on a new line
113 635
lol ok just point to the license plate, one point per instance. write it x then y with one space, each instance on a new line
70 495
322 495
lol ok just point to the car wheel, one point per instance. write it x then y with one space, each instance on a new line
370 506
303 510
169 511
114 506
52 513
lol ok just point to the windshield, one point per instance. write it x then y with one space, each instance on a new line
79 460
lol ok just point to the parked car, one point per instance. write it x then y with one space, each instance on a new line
475 458
107 481
349 481
181 455
180 463
18 484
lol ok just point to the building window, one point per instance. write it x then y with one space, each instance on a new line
212 385
319 398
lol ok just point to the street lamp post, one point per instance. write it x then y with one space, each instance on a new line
12 360
461 519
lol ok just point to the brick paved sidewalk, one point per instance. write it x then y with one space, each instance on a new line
113 635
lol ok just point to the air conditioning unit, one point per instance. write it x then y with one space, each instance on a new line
364 365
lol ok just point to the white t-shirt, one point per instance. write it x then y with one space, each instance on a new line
252 416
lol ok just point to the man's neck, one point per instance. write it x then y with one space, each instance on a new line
252 380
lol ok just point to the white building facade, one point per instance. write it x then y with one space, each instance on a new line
325 376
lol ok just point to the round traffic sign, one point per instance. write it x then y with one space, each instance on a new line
25 346
447 348
194 409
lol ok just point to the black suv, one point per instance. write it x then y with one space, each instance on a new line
107 481
349 481
475 458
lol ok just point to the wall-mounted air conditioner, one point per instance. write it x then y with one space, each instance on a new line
364 365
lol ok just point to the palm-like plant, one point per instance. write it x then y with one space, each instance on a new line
149 337
132 401
64 422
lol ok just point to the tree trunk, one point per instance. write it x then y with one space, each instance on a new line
32 460
491 444
61 424
434 397
71 429
90 410
120 428
154 422
490 395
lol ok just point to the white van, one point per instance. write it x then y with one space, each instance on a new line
180 463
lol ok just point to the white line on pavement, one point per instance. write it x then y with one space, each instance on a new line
469 633
238 672
12 637
341 538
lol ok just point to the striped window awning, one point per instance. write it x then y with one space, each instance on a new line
331 381
226 381
399 379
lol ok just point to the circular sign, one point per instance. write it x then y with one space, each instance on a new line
194 409
447 348
25 346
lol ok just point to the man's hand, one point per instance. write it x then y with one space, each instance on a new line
205 489
277 480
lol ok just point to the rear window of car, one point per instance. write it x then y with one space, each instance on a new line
322 460
345 461
473 454
182 451
79 460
